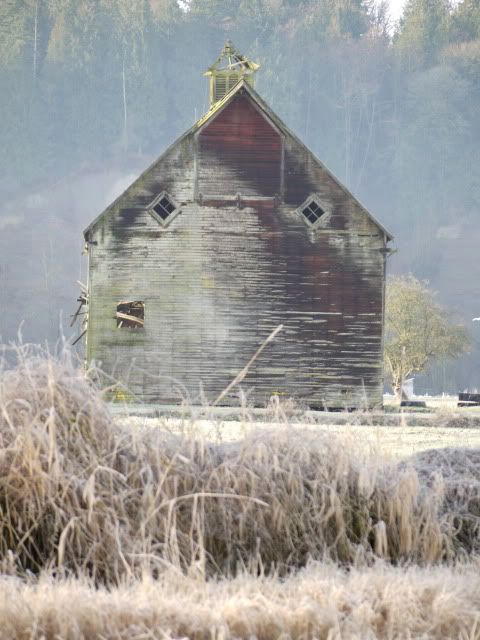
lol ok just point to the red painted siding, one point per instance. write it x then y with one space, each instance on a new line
227 271
239 152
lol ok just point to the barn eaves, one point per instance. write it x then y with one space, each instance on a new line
164 208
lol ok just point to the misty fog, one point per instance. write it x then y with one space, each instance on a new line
92 91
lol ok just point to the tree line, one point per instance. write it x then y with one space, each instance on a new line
392 110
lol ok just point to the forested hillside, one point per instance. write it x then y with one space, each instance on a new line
92 90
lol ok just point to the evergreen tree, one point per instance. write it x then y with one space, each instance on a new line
466 21
424 31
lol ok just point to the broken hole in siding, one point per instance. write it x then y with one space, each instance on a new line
131 315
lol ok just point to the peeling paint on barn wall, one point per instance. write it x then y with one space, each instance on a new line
234 264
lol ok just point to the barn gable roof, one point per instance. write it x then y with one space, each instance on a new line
241 87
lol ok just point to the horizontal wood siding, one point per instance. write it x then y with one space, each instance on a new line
223 275
216 283
239 152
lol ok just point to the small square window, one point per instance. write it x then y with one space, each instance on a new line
164 208
311 211
131 315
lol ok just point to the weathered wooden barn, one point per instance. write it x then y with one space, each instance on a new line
236 229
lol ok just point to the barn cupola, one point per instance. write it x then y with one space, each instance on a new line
228 70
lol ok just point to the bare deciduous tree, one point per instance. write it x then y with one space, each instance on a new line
418 330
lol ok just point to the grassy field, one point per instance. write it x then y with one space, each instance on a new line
390 434
275 524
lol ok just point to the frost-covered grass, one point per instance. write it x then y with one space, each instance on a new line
321 601
113 529
390 441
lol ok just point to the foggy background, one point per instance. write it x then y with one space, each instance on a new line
92 91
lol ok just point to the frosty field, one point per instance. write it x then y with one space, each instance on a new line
211 524
402 435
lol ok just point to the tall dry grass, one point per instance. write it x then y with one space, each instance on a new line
82 495
321 602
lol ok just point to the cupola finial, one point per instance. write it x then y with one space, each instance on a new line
228 70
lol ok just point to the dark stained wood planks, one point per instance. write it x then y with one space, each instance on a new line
229 269
239 151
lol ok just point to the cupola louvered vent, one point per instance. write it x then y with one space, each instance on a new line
224 84
230 68
220 87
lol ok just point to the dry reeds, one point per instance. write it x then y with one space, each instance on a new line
320 602
81 495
